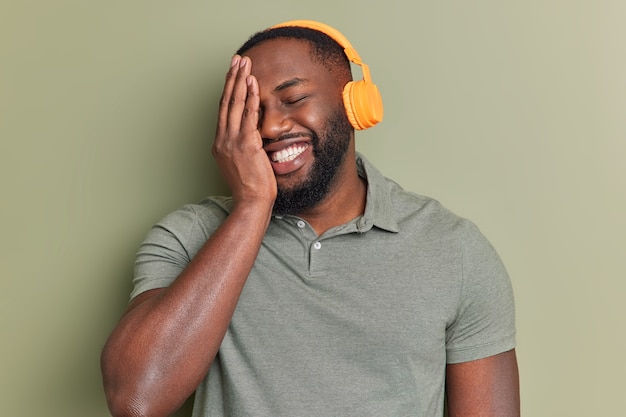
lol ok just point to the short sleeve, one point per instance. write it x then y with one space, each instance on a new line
171 244
485 321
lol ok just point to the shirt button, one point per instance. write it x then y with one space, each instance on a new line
301 224
317 245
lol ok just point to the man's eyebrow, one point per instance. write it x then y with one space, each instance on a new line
290 83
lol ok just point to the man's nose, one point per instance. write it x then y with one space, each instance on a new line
273 123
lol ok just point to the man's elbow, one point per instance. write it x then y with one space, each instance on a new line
122 400
125 407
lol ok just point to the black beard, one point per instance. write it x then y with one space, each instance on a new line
329 154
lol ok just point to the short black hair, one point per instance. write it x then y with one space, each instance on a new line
324 49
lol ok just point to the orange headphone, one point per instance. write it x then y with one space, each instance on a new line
362 100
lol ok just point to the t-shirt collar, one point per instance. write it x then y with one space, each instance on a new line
379 210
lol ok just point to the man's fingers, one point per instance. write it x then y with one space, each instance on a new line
231 76
250 118
237 100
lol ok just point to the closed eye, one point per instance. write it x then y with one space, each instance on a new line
294 100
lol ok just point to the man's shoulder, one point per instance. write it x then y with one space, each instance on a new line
391 204
427 215
423 207
206 214
219 204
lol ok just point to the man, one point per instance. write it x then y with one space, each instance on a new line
320 288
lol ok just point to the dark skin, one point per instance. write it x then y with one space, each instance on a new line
486 387
166 341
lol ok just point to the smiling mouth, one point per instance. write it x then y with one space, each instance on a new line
289 153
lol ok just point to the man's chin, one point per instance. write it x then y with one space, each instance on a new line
296 200
293 181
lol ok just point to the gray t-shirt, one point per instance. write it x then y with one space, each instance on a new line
360 321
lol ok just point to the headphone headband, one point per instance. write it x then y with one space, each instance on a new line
337 36
364 106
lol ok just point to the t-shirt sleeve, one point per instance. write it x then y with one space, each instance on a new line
485 320
168 248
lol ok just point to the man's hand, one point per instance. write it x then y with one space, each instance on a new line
238 147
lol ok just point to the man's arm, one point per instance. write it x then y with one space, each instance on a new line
486 387
164 344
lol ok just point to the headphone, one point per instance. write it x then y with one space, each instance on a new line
362 100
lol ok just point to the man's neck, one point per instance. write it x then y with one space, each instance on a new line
345 201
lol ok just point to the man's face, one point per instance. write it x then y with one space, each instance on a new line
305 131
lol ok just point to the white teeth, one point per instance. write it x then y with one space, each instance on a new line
288 154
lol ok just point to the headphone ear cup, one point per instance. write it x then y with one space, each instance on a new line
363 103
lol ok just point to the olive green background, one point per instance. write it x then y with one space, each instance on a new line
510 113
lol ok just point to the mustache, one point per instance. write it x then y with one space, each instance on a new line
286 136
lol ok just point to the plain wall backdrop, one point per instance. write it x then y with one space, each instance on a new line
509 113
